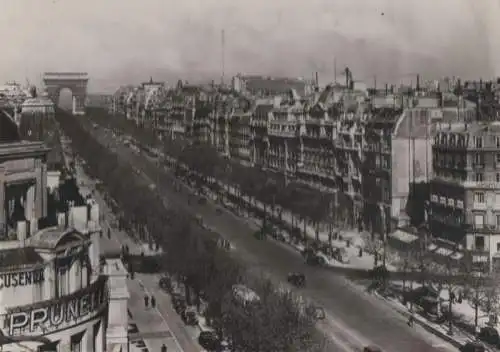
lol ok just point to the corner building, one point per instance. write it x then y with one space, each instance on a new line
465 191
53 293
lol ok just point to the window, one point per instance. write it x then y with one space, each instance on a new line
49 347
498 246
452 139
386 162
62 282
478 142
76 342
479 197
477 158
479 243
498 221
497 177
479 221
478 177
95 339
498 142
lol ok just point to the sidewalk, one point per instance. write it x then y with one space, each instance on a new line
146 325
366 261
148 328
458 338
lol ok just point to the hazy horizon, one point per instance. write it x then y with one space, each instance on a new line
128 41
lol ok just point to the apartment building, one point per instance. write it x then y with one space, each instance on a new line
465 190
266 86
239 131
259 128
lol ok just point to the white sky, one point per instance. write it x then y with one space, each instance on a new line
125 41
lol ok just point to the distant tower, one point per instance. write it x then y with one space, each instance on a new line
223 56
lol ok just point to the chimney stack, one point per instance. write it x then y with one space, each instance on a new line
386 89
418 83
317 79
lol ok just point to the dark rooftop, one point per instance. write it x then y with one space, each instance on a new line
19 257
389 115
274 85
8 129
51 237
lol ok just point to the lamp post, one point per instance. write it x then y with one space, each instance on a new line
384 233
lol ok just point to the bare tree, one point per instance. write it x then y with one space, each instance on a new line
446 279
482 292
373 245
278 321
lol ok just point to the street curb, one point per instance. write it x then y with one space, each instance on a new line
422 323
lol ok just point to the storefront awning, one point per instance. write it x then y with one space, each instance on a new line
444 251
432 247
403 236
479 258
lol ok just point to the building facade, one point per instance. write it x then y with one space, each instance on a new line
52 292
465 190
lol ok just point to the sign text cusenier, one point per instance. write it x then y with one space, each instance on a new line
52 315
22 278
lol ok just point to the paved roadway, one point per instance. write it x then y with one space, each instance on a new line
155 326
355 318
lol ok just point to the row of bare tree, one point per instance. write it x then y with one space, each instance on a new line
206 167
278 322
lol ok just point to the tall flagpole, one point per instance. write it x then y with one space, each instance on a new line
223 55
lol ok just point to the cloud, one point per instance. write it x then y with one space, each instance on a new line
120 41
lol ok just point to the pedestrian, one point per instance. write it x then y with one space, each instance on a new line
153 302
163 348
109 232
360 252
411 319
146 301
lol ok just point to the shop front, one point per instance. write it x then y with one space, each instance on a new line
75 320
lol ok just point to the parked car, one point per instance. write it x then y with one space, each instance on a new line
313 258
489 335
166 284
473 347
179 303
209 340
189 316
260 235
419 294
297 279
317 312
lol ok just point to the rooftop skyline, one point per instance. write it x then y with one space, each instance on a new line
119 42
